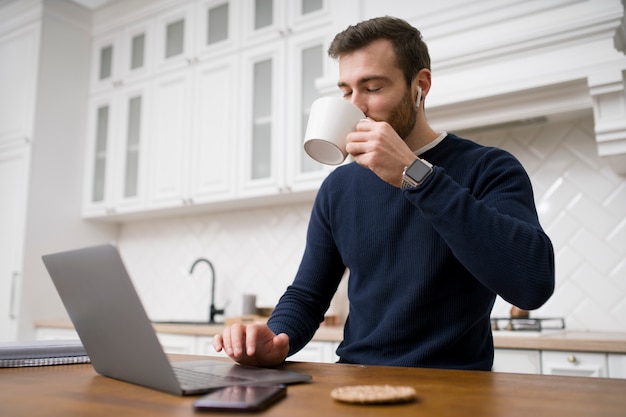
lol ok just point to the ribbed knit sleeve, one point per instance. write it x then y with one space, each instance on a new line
491 227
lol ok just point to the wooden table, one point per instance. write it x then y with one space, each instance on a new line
76 390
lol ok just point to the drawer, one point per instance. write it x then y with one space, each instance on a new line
574 363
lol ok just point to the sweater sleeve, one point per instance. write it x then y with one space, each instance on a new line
301 308
491 226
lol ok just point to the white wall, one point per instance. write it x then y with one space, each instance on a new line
53 219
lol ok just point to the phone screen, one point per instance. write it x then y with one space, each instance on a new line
241 397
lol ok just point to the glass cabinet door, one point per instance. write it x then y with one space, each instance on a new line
100 156
261 162
263 14
174 38
262 94
137 51
105 67
311 59
217 27
217 24
133 147
129 148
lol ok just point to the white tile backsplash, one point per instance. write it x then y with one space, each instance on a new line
580 200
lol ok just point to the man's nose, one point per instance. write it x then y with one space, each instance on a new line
358 100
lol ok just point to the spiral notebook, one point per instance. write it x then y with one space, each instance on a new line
41 353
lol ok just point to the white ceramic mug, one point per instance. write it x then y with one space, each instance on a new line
330 121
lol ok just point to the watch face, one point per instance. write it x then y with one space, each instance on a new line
418 171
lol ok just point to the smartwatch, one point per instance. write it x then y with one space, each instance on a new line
415 174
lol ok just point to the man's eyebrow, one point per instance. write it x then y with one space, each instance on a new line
363 80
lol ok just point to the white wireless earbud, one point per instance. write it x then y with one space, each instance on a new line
419 97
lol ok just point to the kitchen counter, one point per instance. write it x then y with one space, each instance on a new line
582 341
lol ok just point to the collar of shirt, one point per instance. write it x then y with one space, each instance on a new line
432 144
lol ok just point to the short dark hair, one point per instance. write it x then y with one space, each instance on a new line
411 51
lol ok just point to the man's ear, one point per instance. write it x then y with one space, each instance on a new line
422 85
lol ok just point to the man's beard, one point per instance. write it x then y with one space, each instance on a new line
402 117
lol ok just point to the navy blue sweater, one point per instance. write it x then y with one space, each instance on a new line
425 264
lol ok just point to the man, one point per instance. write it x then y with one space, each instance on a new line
431 227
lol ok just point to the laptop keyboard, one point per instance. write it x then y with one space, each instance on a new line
190 378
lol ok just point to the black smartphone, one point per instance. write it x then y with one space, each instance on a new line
241 398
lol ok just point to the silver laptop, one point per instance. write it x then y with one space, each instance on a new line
114 328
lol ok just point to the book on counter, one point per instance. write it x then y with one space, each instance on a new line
42 353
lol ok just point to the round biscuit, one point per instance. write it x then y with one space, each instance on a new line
374 394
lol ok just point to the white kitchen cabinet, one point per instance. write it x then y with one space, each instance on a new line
227 87
617 365
54 333
193 137
317 351
194 31
517 361
574 363
116 151
122 56
177 343
279 72
204 346
271 20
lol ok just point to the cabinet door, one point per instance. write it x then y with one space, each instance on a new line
174 38
121 56
204 347
216 28
53 333
137 44
215 131
177 344
517 360
574 363
14 165
18 77
104 61
169 140
307 54
130 149
263 98
316 351
117 127
99 154
617 365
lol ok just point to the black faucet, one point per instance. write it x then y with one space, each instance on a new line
212 310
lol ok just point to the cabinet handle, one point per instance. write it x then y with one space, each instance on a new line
572 359
285 32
